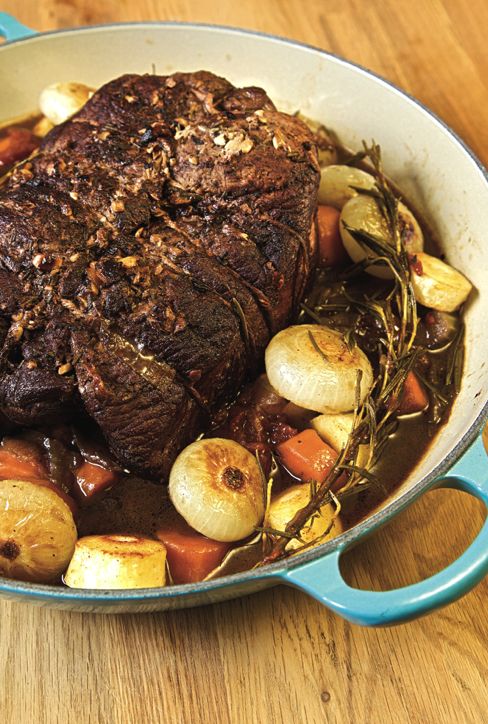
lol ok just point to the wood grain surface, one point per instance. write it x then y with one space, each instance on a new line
279 656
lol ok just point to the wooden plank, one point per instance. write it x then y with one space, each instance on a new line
279 656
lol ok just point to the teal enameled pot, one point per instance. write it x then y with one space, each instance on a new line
435 170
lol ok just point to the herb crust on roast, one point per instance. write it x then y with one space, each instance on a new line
148 251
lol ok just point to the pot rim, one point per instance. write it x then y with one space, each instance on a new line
272 570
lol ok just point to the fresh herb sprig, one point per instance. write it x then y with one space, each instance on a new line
395 313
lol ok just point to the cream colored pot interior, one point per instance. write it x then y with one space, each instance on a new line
432 169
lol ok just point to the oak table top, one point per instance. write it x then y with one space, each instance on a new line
278 656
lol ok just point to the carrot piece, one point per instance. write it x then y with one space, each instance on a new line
92 479
16 145
12 467
191 556
19 460
331 249
307 456
414 398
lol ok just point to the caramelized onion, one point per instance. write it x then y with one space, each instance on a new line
60 101
363 214
37 531
437 285
321 527
312 366
338 184
217 486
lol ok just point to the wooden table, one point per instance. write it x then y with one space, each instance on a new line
279 656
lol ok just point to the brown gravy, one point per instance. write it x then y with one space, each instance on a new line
118 510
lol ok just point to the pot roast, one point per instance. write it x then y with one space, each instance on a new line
148 251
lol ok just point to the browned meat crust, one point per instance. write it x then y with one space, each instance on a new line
147 252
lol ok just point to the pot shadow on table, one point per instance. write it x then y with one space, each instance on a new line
274 656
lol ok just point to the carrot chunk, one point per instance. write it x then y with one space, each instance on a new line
414 398
12 467
331 248
20 460
92 479
16 145
307 456
191 556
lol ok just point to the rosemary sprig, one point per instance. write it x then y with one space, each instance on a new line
353 159
323 493
456 359
317 347
437 394
311 313
396 314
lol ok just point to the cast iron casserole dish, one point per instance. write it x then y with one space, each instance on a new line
437 172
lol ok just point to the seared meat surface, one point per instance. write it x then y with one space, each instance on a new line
147 253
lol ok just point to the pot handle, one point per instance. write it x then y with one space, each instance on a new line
322 578
11 29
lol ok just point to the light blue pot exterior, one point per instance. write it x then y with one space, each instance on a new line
322 579
316 571
11 29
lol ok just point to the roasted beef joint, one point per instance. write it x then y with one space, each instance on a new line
148 251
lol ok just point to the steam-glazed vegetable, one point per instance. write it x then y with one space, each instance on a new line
92 479
307 457
15 145
191 555
414 397
117 561
21 460
42 127
321 527
217 486
338 184
335 430
277 472
331 249
312 366
60 101
37 531
327 148
363 214
438 285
